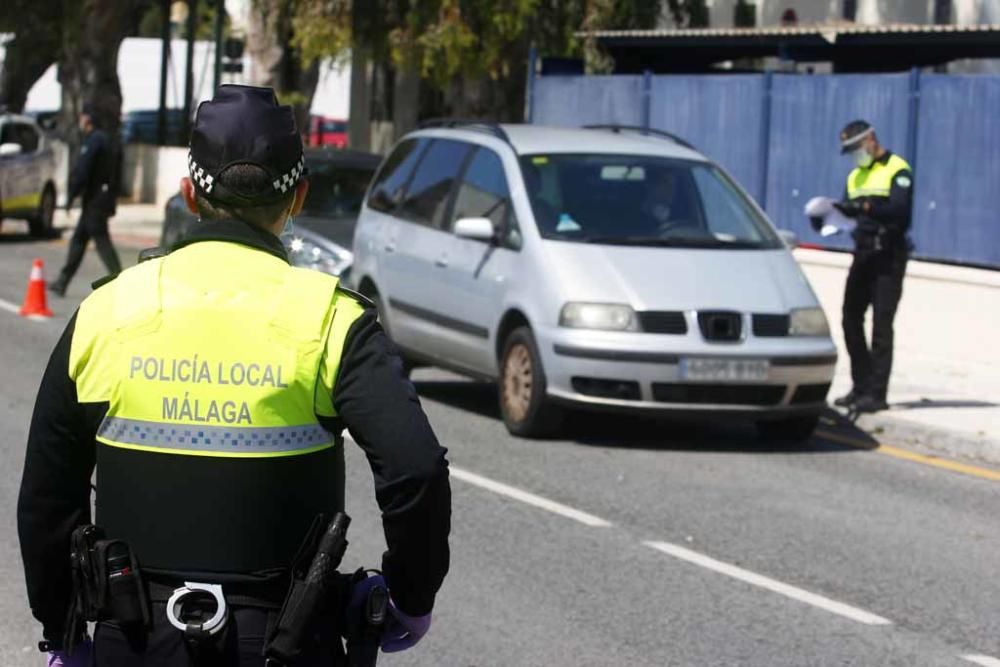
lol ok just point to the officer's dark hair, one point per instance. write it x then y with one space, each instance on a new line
245 178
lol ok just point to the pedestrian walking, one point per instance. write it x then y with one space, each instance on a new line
95 178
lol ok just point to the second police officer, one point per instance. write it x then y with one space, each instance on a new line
879 196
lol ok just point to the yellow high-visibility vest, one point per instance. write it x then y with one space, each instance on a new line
876 179
214 350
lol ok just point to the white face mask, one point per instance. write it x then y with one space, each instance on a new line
288 231
862 158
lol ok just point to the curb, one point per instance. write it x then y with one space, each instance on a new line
915 268
929 440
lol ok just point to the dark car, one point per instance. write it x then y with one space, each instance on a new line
323 233
142 126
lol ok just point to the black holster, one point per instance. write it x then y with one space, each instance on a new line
107 585
317 591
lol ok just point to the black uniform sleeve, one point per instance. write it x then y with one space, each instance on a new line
55 488
379 406
92 147
895 210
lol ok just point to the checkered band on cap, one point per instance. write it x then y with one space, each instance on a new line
286 181
199 175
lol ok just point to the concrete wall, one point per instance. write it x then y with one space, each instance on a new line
152 174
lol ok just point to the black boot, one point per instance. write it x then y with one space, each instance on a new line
58 287
847 400
868 404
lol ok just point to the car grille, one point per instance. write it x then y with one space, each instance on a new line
602 388
810 393
720 325
663 321
719 394
765 326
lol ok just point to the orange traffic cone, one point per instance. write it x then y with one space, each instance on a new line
34 297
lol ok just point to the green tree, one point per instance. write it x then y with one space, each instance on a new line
468 51
151 22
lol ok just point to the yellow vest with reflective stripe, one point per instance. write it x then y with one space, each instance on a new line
876 180
214 350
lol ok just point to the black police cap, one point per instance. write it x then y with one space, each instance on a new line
852 135
245 125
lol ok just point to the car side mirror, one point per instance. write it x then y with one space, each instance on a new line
477 229
790 238
7 150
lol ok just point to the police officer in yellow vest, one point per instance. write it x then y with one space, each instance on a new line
879 197
211 387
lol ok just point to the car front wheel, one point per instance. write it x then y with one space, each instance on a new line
524 406
40 224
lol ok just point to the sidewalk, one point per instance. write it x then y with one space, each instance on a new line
945 388
133 226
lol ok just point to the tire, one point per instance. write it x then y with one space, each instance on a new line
524 406
40 225
791 429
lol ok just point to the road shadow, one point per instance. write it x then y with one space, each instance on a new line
15 237
930 403
661 432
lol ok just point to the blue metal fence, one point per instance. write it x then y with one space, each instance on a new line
777 135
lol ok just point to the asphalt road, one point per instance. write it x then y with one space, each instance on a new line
632 542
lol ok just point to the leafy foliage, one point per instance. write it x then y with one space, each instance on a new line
444 39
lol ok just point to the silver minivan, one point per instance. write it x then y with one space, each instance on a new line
607 268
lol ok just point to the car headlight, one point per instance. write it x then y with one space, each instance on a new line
308 255
606 316
808 322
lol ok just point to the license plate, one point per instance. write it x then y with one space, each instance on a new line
724 370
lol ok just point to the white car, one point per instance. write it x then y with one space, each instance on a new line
603 268
27 174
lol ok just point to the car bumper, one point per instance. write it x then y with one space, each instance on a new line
642 372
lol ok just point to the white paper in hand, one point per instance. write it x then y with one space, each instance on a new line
819 207
834 222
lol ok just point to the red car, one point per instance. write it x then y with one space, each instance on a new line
325 131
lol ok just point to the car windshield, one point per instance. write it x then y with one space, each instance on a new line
641 200
336 191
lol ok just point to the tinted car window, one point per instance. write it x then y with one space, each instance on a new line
483 193
388 188
8 134
335 191
27 136
641 200
428 192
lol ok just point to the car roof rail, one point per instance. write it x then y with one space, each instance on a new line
646 131
486 126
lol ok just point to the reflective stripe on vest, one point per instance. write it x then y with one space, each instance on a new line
876 180
214 350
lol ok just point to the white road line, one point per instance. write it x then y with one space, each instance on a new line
984 660
847 611
529 498
7 305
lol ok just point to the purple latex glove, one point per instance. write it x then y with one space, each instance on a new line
83 656
401 631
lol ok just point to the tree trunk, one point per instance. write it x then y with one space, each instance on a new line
36 45
25 62
88 72
274 63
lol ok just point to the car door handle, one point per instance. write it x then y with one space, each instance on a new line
389 247
441 262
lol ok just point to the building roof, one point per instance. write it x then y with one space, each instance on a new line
829 31
849 46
